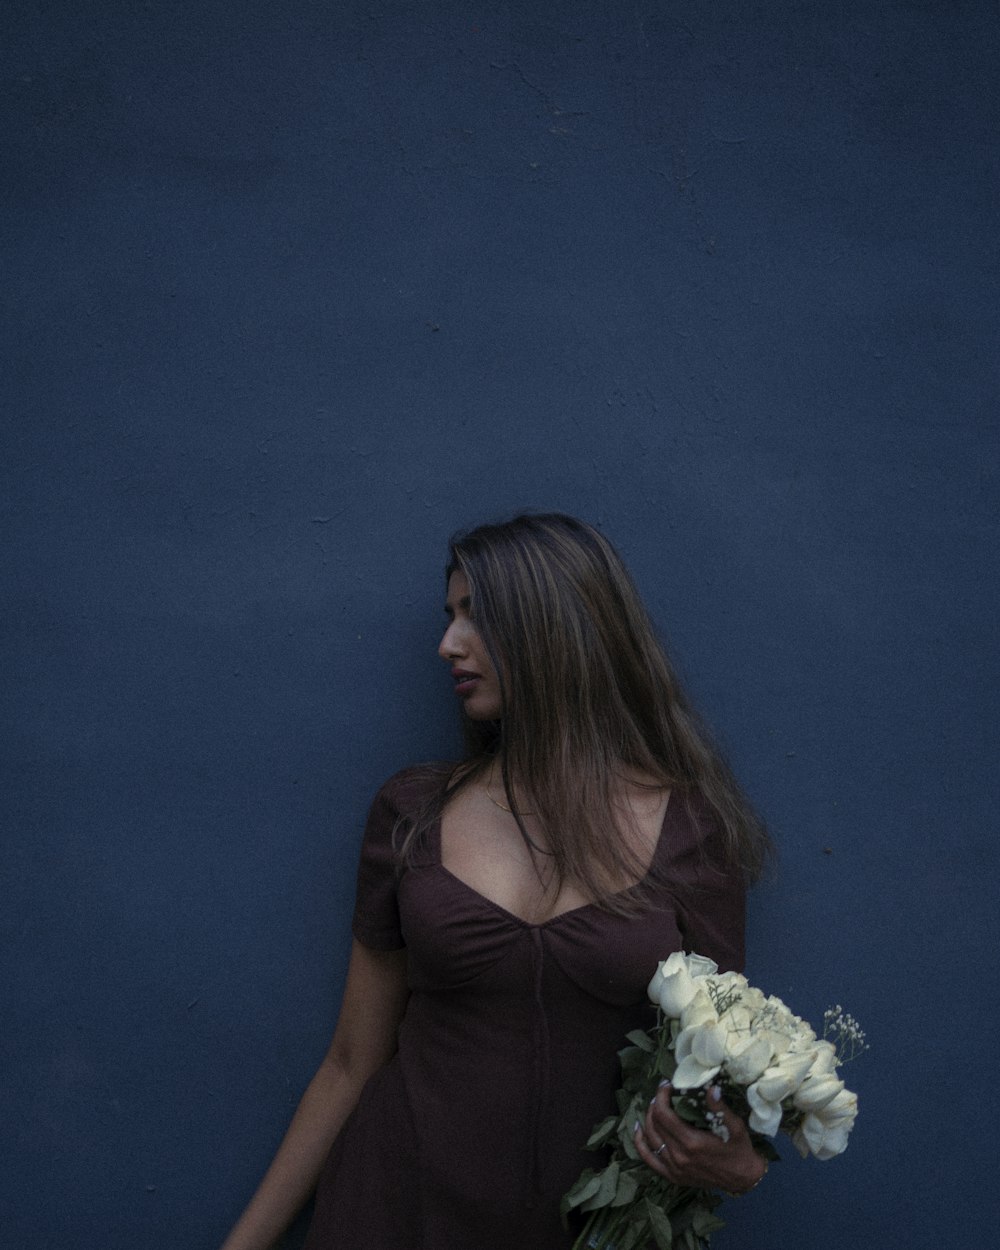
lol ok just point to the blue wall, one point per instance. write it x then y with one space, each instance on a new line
294 290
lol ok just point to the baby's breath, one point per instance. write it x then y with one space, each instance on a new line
841 1028
717 1123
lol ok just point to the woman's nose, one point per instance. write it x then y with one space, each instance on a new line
451 643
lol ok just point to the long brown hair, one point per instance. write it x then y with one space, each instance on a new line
588 698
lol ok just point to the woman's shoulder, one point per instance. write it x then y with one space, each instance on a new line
408 790
696 838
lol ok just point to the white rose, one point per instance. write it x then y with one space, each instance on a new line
701 965
780 1042
673 984
699 1052
765 1116
778 1008
784 1077
786 1033
699 1010
747 1057
765 1095
753 999
778 1017
738 1019
843 1107
824 1133
817 1091
731 982
825 1141
825 1060
802 1038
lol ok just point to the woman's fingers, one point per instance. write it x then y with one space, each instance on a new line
687 1155
662 1121
659 1138
725 1123
651 1148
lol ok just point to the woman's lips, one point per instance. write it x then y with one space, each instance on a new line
465 682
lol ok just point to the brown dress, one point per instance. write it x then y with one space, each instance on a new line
470 1135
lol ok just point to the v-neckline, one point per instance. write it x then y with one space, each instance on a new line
435 841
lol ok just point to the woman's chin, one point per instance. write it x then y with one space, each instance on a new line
481 710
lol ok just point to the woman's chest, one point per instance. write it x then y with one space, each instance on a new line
459 939
479 842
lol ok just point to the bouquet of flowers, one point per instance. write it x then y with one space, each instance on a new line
712 1028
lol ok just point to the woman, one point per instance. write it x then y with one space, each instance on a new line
510 913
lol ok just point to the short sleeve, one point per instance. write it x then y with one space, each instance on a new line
708 892
376 909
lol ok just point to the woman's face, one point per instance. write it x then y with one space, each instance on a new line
476 682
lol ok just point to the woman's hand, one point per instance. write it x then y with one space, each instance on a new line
686 1155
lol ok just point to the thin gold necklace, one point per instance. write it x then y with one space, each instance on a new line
503 806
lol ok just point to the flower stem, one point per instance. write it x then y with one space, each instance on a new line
599 1230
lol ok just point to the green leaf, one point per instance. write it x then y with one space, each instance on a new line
631 1238
640 1038
704 1222
668 1065
627 1144
588 1183
663 1234
626 1127
628 1186
634 1061
605 1191
602 1132
691 1110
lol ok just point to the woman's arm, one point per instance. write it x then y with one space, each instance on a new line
374 999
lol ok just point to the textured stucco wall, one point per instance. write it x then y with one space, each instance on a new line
294 290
